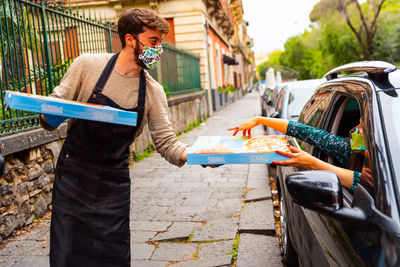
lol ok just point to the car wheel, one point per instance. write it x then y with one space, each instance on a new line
289 253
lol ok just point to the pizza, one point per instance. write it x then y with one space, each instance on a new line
267 143
218 149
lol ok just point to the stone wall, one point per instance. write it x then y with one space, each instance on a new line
31 157
25 187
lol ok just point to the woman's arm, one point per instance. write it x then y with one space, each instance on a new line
301 159
276 124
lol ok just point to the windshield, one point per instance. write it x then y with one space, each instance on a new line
390 103
297 100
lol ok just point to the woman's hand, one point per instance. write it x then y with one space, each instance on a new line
298 158
246 127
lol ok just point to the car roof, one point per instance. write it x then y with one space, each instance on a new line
305 84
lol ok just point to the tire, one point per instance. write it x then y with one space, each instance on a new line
288 252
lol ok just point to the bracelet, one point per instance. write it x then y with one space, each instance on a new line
356 181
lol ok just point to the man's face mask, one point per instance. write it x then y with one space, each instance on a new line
150 55
357 141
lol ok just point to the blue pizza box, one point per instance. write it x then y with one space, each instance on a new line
237 150
68 108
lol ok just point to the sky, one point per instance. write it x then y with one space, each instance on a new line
272 22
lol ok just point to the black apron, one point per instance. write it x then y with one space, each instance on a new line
91 193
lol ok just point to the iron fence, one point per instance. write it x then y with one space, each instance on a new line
39 40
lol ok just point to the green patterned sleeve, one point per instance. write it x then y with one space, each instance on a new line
356 181
333 145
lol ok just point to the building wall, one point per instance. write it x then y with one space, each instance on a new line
219 47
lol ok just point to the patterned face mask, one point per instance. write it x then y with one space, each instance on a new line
150 55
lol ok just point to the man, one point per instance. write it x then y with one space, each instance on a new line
91 194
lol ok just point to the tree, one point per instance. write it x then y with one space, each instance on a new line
365 27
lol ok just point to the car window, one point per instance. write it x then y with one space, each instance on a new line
297 99
312 114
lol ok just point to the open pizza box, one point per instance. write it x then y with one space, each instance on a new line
209 150
69 109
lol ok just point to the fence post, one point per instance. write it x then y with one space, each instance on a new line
109 36
46 48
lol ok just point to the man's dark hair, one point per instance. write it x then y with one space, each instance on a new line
133 22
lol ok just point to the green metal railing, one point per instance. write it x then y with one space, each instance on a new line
39 40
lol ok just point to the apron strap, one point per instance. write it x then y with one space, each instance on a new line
101 82
141 98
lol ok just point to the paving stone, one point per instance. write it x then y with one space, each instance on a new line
148 263
149 226
257 216
230 203
41 232
258 251
215 179
26 247
224 260
174 251
141 236
195 199
258 194
261 184
216 230
215 249
141 251
27 260
178 230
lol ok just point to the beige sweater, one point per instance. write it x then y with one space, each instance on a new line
77 84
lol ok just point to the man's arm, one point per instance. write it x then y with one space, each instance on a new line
69 87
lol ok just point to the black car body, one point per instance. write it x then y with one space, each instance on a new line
322 223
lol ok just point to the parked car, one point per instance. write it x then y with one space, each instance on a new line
289 100
322 223
268 99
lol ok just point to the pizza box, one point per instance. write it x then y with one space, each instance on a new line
68 108
237 150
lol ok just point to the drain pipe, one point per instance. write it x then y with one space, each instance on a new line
210 105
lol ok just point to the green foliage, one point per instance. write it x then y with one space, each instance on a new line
167 92
147 153
273 59
235 248
330 42
191 126
226 88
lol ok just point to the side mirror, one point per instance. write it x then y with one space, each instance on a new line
2 161
321 191
264 97
316 190
275 114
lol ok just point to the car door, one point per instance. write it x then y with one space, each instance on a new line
326 239
300 228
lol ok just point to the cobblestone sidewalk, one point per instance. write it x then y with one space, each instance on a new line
189 216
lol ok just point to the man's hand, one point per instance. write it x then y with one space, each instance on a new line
211 165
53 120
184 154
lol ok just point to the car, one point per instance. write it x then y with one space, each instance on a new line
321 222
286 100
268 100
